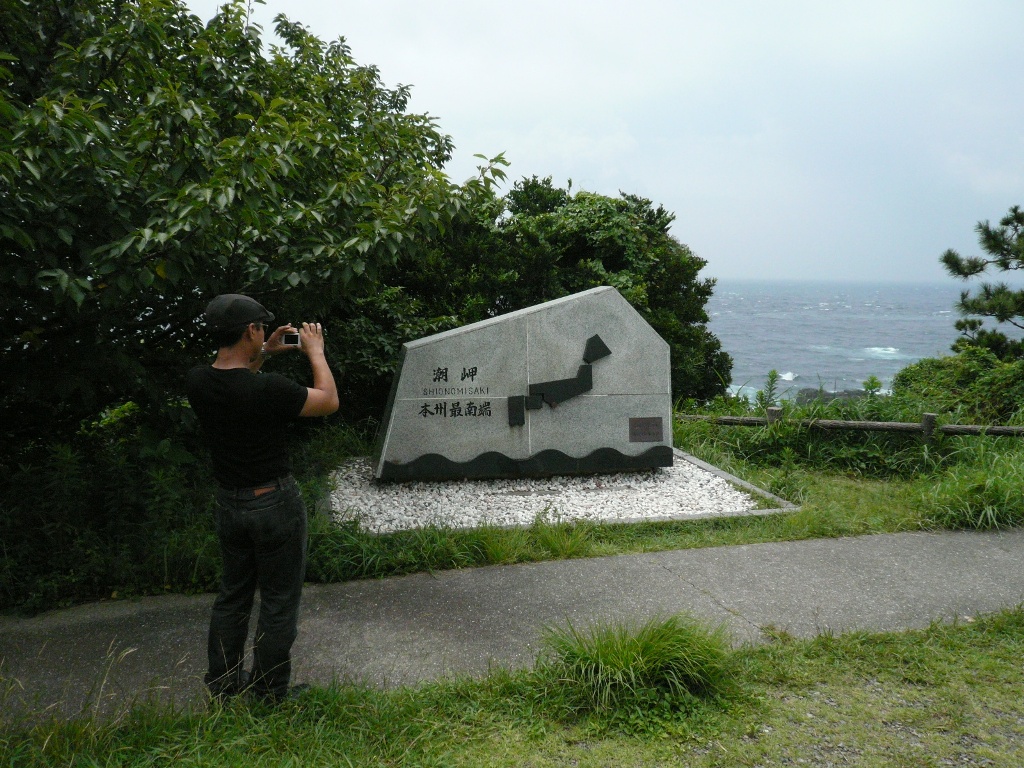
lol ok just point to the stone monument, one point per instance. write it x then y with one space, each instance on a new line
576 385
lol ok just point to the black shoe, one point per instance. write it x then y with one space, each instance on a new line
226 688
271 697
298 691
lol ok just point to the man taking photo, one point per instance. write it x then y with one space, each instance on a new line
260 515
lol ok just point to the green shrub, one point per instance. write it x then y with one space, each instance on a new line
787 444
113 511
998 397
119 511
974 385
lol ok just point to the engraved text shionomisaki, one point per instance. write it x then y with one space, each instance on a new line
447 382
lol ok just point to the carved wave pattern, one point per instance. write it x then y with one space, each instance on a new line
492 464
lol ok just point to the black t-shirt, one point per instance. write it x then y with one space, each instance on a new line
245 417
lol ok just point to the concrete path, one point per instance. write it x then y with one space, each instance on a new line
405 630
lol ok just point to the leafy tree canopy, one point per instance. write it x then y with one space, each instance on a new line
541 242
149 162
1004 249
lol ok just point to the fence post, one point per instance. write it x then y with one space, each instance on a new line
928 427
774 414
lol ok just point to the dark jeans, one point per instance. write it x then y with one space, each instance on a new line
263 544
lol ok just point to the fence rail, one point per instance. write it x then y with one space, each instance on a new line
926 426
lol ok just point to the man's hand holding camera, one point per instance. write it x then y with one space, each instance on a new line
323 395
310 337
279 340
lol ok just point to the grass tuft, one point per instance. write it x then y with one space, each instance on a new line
982 491
621 666
499 546
562 540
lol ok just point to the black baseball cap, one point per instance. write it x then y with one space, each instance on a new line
230 310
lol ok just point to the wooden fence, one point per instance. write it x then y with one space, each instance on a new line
927 426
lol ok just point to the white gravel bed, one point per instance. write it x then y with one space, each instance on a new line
681 491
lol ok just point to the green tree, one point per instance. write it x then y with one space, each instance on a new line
541 242
1004 248
149 162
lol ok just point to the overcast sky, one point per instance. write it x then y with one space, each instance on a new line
792 139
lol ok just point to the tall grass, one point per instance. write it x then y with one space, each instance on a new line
625 676
945 695
623 666
105 516
958 482
983 490
345 551
498 546
119 512
788 442
562 540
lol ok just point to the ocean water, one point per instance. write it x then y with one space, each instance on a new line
830 335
